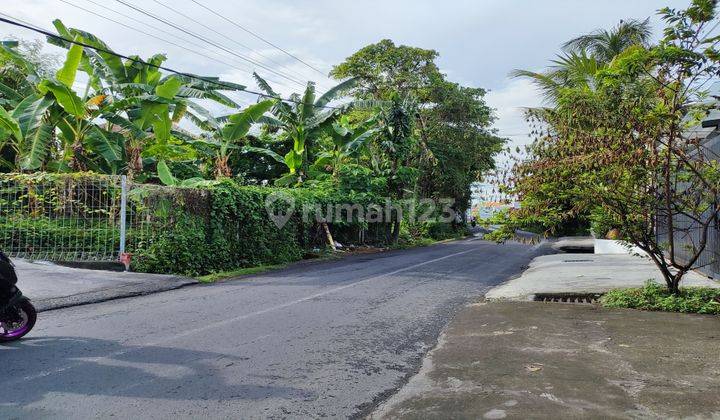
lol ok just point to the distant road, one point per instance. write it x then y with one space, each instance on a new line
321 339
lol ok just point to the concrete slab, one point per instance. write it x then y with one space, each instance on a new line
575 244
586 273
52 286
552 360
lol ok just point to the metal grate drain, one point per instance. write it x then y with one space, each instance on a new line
567 297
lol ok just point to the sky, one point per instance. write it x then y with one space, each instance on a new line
479 41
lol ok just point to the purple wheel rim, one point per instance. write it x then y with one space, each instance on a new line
16 332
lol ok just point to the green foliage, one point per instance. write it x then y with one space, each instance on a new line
440 231
427 233
433 138
181 249
66 74
234 229
9 125
122 123
384 69
406 133
359 179
617 146
303 122
654 297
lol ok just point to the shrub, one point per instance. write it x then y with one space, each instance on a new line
234 231
440 231
655 297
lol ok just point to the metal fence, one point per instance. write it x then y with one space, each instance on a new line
67 217
687 239
687 232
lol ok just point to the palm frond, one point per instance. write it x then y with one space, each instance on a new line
605 45
547 84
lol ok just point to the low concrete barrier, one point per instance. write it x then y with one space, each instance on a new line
609 246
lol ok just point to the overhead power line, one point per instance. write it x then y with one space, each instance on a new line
231 39
17 22
209 41
200 53
257 36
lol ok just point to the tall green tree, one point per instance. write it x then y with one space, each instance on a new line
384 69
450 124
626 147
578 67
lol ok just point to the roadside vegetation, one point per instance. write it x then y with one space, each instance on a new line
655 297
616 147
248 271
393 130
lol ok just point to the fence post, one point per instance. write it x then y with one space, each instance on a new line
123 213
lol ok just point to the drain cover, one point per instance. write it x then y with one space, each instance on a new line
577 260
567 297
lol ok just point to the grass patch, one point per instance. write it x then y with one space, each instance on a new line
224 275
413 244
425 241
655 297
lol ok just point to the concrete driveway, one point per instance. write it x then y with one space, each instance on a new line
586 273
53 286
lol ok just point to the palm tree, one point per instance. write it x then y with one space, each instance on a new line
568 70
585 55
605 45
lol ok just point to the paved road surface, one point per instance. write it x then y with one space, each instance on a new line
326 339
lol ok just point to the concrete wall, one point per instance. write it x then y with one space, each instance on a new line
608 246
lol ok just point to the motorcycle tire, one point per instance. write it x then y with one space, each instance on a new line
17 330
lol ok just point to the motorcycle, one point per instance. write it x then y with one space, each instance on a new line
17 313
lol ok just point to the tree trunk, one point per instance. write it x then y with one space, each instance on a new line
222 169
328 236
675 287
396 231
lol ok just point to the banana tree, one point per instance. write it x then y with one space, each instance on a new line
302 120
224 141
347 142
23 119
146 106
86 146
39 105
226 137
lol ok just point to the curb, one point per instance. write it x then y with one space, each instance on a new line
126 291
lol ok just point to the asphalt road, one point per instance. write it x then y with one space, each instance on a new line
330 339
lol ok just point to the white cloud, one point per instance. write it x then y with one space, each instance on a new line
510 102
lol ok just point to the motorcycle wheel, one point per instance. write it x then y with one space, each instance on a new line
15 330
